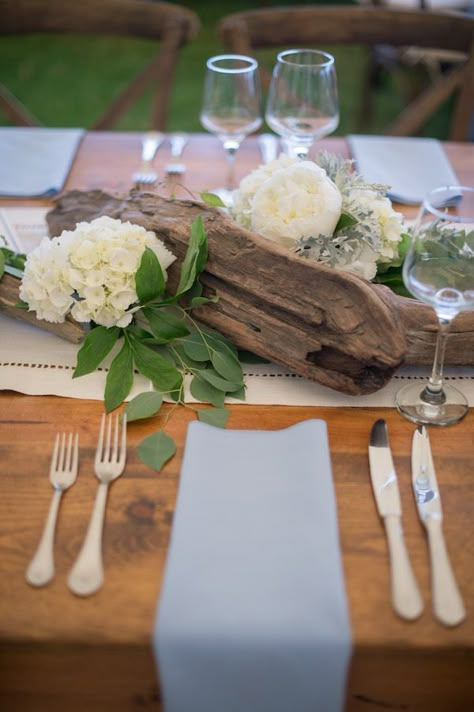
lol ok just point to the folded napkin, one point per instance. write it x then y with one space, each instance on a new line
36 161
412 167
253 613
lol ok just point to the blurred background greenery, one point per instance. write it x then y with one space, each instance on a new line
68 80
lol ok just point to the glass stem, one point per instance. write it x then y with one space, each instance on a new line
433 392
230 148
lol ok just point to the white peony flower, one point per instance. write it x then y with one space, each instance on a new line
90 272
296 202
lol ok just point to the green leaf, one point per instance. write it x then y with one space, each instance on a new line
2 263
195 347
164 376
212 199
144 406
226 363
199 301
222 384
97 344
195 258
164 325
156 449
203 391
119 378
149 279
240 394
214 416
345 221
249 357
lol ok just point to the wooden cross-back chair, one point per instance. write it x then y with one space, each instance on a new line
169 24
303 26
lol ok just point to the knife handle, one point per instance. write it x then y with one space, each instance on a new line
448 605
406 596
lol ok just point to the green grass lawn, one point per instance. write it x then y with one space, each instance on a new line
68 80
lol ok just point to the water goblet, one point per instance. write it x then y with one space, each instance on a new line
231 107
439 270
302 104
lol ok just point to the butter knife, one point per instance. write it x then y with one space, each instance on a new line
406 596
448 605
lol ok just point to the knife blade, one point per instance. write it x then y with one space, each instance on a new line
406 596
448 606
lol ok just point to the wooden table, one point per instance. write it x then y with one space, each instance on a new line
59 652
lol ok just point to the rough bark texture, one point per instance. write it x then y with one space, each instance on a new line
329 326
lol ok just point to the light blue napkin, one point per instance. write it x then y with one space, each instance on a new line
35 162
253 614
412 167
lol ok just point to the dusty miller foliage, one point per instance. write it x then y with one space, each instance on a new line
357 226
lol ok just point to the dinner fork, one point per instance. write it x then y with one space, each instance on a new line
150 144
87 574
62 474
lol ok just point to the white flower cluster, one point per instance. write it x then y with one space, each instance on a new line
288 199
301 204
89 272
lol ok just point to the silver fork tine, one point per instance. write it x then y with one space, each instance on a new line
62 474
87 574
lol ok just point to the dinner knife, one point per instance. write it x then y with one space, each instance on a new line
448 606
406 596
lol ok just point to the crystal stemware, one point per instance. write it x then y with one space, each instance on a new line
231 107
302 103
439 270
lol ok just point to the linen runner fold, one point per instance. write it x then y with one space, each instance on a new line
253 612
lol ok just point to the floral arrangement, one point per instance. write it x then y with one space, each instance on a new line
323 210
112 275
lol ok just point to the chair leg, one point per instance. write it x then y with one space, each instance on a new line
15 110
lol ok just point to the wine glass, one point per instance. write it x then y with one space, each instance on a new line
302 103
231 107
439 270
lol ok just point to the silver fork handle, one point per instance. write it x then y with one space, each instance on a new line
40 570
150 145
87 574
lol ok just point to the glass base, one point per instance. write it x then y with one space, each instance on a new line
410 403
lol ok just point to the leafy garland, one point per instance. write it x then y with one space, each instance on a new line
163 343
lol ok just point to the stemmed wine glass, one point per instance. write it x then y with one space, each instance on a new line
439 270
231 106
302 103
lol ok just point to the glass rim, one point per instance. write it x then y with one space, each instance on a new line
326 62
429 202
250 61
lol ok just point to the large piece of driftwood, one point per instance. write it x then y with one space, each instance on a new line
329 326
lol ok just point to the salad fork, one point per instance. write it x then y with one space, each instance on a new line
87 574
62 475
150 144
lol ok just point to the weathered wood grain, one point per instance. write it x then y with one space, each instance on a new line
329 326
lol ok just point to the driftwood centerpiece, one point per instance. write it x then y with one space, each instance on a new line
329 326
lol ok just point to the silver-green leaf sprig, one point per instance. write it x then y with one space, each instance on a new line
164 343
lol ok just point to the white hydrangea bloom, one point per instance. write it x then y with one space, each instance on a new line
389 222
89 272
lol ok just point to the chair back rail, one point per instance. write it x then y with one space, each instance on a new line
247 32
170 24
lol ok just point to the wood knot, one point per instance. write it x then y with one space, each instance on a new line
142 510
